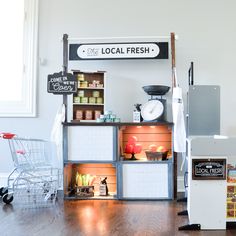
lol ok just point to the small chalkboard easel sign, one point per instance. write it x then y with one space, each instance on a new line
62 83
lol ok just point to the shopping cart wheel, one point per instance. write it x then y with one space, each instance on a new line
3 191
7 198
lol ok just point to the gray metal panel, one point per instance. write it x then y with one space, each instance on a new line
119 181
208 146
203 110
65 143
115 144
170 181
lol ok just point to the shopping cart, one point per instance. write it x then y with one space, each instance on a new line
33 181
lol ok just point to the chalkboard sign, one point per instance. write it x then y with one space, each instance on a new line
59 83
208 169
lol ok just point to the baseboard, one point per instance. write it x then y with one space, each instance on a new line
3 179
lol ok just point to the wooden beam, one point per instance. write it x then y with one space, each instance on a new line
172 40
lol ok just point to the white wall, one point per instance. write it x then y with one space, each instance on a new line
207 36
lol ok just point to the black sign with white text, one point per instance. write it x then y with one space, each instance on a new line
207 169
150 50
59 83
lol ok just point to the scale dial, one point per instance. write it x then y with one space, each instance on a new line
151 110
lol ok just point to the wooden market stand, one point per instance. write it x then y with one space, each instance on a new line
114 165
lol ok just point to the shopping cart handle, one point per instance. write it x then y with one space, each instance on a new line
7 135
22 152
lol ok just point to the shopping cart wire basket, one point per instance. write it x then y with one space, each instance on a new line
34 181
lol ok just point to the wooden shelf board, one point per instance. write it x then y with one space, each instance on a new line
111 196
230 219
90 88
88 104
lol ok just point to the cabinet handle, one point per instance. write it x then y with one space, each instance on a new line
186 179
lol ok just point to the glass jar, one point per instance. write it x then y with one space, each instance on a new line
88 115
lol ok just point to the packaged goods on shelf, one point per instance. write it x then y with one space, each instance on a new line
108 116
96 94
76 99
79 115
80 77
84 99
92 86
90 95
99 100
81 93
88 115
97 114
83 84
231 176
92 100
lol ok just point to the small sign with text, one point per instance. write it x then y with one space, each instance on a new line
62 83
206 169
118 51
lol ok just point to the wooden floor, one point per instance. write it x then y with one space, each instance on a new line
98 218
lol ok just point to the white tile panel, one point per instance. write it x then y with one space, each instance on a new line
90 143
145 181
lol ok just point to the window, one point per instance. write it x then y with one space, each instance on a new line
18 58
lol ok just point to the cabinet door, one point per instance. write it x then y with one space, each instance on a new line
91 143
145 181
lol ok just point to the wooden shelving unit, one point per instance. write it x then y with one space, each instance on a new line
89 101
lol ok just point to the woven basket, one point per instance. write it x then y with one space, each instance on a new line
85 191
156 156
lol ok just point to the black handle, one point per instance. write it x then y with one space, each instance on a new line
186 179
190 75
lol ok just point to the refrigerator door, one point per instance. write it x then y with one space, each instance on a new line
203 110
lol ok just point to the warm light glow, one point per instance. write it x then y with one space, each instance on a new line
101 226
152 127
88 212
138 127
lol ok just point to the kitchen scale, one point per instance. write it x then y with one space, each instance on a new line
155 109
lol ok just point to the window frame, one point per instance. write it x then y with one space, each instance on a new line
26 107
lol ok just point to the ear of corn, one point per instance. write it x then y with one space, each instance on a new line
84 179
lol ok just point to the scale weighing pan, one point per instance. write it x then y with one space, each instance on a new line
156 89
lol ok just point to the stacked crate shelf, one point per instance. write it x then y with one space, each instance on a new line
94 83
98 149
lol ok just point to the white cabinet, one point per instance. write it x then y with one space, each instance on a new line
207 183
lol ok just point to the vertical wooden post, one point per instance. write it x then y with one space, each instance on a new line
65 70
172 40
